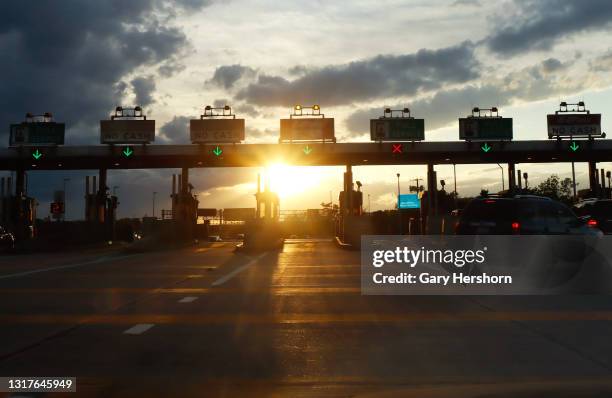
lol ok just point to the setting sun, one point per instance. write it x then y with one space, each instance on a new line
288 181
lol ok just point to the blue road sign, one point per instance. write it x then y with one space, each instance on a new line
409 201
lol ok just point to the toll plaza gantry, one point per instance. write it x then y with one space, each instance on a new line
397 141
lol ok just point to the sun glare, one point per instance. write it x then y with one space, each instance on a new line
288 181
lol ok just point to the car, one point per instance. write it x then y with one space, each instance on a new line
7 239
214 238
598 213
521 215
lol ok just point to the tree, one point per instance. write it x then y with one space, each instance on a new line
555 188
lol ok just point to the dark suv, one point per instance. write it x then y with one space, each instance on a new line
598 212
520 215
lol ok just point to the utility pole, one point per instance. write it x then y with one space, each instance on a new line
574 180
502 173
399 213
154 193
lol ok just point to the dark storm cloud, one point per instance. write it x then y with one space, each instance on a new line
377 77
73 64
539 24
144 87
446 106
227 75
176 131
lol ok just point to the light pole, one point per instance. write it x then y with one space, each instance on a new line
154 193
455 182
65 198
502 174
399 214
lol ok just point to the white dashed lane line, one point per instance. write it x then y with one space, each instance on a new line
139 329
238 270
188 299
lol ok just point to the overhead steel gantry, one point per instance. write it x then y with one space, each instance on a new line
312 154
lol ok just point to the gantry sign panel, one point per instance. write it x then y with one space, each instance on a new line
122 131
485 128
574 124
307 129
397 129
37 134
210 130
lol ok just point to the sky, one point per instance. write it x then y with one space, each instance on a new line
79 59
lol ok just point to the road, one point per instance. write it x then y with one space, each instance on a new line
206 321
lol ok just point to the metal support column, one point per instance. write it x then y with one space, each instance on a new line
593 178
511 178
431 189
19 182
101 197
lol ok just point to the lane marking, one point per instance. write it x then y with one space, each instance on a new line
188 299
139 329
68 266
238 270
146 321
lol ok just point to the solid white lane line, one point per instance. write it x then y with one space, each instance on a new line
90 262
238 270
188 299
139 329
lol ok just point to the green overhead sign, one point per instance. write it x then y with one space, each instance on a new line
397 129
37 133
485 128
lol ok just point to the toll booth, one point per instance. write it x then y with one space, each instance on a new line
100 207
353 207
17 212
264 232
184 206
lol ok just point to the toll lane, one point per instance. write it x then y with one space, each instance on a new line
292 323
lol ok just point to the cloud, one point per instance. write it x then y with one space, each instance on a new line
144 87
603 63
377 77
75 65
539 24
227 75
466 3
446 106
176 131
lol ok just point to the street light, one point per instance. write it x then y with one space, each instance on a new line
502 174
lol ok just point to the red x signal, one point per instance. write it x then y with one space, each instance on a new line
397 148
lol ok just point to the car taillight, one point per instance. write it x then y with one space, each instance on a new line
592 223
516 227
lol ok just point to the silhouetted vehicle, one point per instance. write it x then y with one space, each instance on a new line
521 215
7 239
598 213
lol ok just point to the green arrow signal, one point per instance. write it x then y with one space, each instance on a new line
485 148
574 147
307 150
37 155
217 151
128 152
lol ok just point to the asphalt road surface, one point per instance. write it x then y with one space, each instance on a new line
205 321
